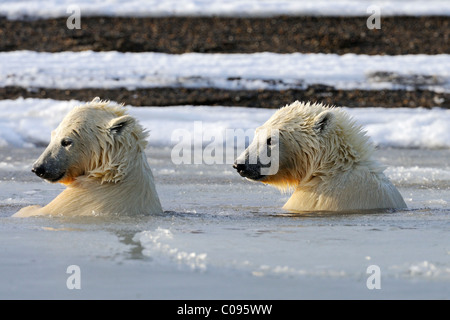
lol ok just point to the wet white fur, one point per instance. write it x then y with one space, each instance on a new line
327 160
107 173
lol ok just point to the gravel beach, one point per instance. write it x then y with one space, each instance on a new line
176 35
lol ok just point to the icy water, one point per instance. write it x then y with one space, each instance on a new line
222 237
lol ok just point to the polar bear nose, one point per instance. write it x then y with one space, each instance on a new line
239 167
243 169
250 171
38 170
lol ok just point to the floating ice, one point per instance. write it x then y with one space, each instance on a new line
155 245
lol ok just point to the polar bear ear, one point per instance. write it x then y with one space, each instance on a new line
324 122
118 125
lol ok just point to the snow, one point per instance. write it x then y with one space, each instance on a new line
264 70
28 122
14 9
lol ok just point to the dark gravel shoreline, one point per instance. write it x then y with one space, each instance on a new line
340 35
244 98
283 34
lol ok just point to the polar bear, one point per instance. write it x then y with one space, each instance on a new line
97 151
323 156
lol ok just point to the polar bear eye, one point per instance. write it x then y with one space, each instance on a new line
66 142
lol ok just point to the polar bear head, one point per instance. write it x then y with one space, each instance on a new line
302 141
96 140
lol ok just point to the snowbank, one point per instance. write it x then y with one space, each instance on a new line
88 69
27 122
14 9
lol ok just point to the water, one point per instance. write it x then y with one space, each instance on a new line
222 237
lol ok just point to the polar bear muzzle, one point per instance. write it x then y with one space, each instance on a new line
53 165
261 158
249 171
248 168
48 171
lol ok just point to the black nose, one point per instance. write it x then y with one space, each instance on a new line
39 171
241 168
